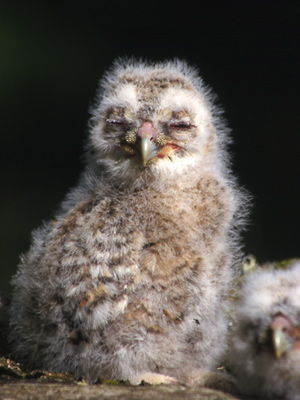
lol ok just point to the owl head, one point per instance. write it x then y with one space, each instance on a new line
154 121
269 314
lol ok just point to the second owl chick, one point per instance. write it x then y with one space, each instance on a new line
266 345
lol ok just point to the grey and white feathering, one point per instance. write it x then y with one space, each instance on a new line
130 280
266 344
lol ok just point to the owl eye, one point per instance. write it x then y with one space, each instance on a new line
180 124
116 122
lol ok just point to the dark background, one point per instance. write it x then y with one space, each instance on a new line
52 55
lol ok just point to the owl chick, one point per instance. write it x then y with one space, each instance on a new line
130 280
266 345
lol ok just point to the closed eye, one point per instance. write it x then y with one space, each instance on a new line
119 122
180 125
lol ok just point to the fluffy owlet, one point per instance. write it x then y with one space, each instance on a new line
266 345
130 280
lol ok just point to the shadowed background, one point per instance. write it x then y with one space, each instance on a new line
53 54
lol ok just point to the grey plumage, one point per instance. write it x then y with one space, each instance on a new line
266 344
131 279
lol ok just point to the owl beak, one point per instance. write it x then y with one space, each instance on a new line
280 342
148 150
148 135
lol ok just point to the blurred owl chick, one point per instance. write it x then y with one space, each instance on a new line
131 279
266 345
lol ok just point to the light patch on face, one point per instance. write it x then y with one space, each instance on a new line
178 99
126 95
295 296
263 299
257 299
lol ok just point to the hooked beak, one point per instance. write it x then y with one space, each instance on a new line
148 150
280 342
148 135
283 334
